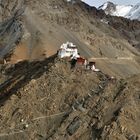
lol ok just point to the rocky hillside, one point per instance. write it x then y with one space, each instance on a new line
47 100
48 24
41 97
127 29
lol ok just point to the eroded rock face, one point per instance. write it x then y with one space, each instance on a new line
8 8
11 26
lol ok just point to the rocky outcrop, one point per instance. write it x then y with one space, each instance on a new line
11 27
48 100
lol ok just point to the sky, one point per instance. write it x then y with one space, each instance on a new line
98 3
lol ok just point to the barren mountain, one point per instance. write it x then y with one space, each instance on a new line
47 100
42 98
48 24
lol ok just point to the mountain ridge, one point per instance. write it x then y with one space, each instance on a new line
43 98
126 11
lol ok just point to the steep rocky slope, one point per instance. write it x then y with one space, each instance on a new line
47 100
42 98
126 28
48 24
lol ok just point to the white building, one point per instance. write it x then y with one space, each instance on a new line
67 49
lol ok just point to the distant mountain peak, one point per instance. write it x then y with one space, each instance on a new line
115 9
127 11
107 5
134 13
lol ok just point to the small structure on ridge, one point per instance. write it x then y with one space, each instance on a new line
67 49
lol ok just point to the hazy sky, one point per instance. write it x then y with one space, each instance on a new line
98 3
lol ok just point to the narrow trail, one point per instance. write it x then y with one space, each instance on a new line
114 59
